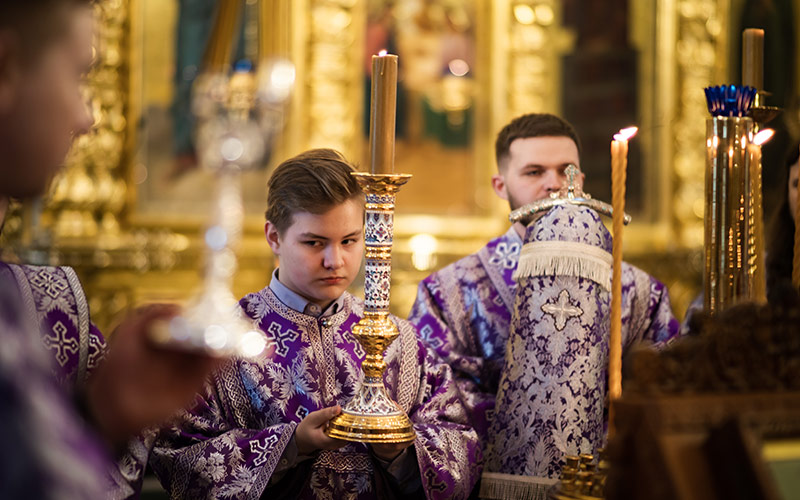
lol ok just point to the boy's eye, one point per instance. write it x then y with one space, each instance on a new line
349 241
533 172
312 243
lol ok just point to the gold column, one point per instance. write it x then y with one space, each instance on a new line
333 92
530 40
699 58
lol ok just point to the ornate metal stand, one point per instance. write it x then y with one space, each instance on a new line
372 416
731 226
238 119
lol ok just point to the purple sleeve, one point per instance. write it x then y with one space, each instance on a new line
207 454
447 447
648 314
467 363
662 326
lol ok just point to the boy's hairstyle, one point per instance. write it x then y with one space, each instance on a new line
532 125
313 182
36 23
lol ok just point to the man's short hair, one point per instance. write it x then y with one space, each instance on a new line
313 182
532 125
36 23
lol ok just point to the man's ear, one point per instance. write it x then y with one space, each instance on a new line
499 186
9 68
273 237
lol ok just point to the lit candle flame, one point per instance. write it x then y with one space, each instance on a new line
763 136
626 133
383 52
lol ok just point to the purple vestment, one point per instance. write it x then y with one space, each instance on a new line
550 401
464 312
54 300
230 444
48 452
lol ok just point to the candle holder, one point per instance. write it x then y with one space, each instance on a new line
372 416
732 273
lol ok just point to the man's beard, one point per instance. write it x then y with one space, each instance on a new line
513 203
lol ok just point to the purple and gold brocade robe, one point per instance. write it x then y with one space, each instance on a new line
230 444
54 300
464 312
48 451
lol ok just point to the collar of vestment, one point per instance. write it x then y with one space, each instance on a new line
299 303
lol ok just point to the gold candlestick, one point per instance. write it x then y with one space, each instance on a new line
372 416
619 166
730 225
757 266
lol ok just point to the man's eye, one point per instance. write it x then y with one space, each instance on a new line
533 172
312 243
349 241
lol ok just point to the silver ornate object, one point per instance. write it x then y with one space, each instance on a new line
570 194
238 117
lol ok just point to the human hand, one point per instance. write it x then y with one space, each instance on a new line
309 436
140 384
389 451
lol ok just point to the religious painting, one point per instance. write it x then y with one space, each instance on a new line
170 182
602 74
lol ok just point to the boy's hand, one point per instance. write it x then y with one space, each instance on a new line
389 451
309 436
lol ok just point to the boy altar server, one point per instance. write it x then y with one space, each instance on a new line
257 429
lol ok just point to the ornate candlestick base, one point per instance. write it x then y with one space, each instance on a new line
372 416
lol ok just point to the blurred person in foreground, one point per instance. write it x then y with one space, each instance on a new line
61 423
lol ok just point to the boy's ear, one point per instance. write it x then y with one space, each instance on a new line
9 69
273 237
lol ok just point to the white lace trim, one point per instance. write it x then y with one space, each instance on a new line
565 258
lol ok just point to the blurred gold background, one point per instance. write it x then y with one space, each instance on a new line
128 210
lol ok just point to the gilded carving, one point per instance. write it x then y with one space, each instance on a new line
699 60
90 194
535 42
333 85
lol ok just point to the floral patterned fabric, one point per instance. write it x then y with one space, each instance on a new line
231 442
464 312
550 401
